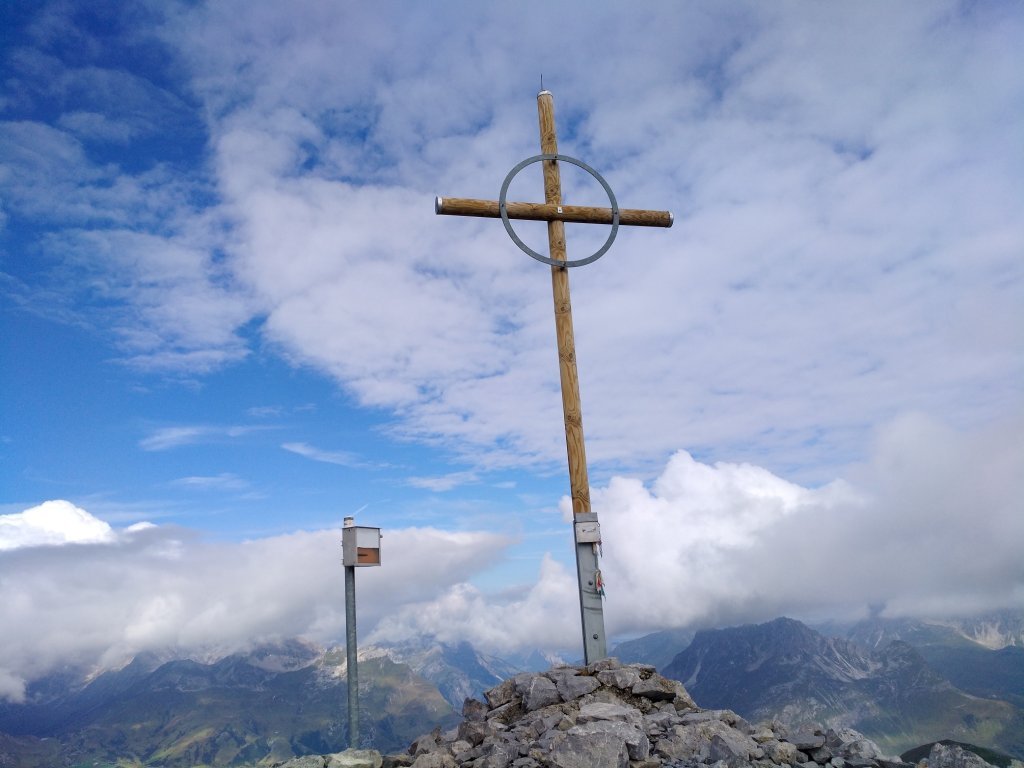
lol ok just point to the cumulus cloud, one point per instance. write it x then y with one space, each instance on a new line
544 614
52 523
931 527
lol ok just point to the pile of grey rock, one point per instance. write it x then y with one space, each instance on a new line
610 715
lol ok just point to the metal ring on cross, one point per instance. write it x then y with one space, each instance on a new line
527 249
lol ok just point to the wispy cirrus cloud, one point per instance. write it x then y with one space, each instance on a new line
130 253
277 411
166 438
225 481
129 242
442 483
341 458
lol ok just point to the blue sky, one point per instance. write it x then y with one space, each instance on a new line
228 310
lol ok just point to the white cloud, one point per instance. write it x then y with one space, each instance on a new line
52 523
136 258
225 481
165 438
274 411
815 283
849 224
542 615
97 125
154 587
443 483
930 526
847 200
341 458
179 309
12 686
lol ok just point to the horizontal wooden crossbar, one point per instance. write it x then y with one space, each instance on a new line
576 214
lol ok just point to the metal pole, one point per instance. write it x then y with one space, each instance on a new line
353 664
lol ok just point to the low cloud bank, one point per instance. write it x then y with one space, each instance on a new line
930 526
102 599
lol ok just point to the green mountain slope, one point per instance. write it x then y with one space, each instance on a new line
234 712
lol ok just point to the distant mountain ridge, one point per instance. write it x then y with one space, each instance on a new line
269 704
457 669
657 648
993 631
983 656
785 669
911 682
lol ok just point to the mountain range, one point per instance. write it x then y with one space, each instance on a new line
902 683
458 670
889 691
260 707
981 656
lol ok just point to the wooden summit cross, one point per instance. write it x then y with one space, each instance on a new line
586 529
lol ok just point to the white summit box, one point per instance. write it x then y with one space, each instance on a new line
360 545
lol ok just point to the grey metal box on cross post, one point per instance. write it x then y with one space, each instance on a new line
587 528
360 545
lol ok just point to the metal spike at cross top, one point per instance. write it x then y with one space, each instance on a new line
586 530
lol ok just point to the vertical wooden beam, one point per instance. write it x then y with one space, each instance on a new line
578 479
591 606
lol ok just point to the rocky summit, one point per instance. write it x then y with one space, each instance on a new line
613 715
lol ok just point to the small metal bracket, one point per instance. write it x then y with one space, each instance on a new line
502 209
